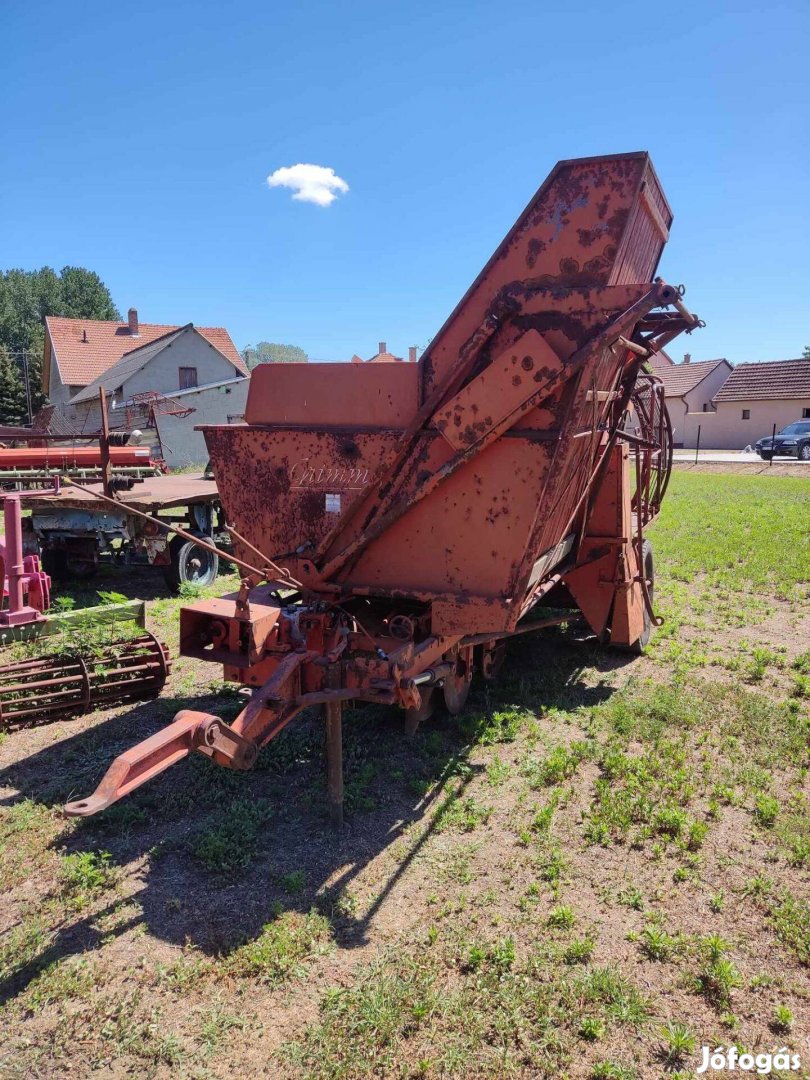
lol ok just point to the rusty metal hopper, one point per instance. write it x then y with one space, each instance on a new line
458 480
408 516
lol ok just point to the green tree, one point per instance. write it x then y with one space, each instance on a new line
12 392
27 296
806 353
267 352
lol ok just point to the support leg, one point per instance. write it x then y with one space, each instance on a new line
333 715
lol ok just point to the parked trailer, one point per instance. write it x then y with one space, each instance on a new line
72 528
420 514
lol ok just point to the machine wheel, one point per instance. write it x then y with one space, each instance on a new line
414 717
648 568
79 568
455 690
53 562
804 452
190 564
766 455
63 564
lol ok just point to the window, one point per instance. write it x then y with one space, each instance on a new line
705 406
188 377
805 414
746 414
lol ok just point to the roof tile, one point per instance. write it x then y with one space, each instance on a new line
773 379
81 361
679 379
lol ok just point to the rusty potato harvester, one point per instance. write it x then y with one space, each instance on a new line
405 519
67 680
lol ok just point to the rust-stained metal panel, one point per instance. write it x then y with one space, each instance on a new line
500 392
355 395
574 232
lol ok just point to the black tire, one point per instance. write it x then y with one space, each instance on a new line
415 717
648 568
766 455
80 569
64 565
54 562
803 452
190 565
637 647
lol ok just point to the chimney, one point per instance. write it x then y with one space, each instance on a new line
412 354
687 358
132 319
382 347
84 336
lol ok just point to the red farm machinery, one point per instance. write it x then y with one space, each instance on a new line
44 684
396 523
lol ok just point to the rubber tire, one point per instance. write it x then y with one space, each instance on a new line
803 452
648 564
766 455
80 570
455 692
54 562
59 564
415 717
185 556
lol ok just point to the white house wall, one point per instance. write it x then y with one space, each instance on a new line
182 445
731 432
161 374
58 393
687 412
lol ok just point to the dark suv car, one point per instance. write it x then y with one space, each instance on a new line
792 441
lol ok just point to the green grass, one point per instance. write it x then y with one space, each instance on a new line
232 840
282 949
742 535
492 1010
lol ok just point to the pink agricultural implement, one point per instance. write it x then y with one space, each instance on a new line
66 681
405 519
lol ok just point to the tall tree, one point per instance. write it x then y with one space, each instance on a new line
12 392
806 353
27 296
267 352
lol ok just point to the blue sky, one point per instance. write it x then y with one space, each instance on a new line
137 140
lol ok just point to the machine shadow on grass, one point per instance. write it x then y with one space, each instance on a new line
227 851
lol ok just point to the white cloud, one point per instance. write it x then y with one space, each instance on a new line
310 183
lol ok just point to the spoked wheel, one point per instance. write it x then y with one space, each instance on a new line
414 717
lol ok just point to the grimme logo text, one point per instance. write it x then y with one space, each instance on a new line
730 1060
304 475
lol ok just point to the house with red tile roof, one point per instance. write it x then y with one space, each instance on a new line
78 351
163 380
689 389
755 397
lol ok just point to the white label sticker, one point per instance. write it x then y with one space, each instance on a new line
332 504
